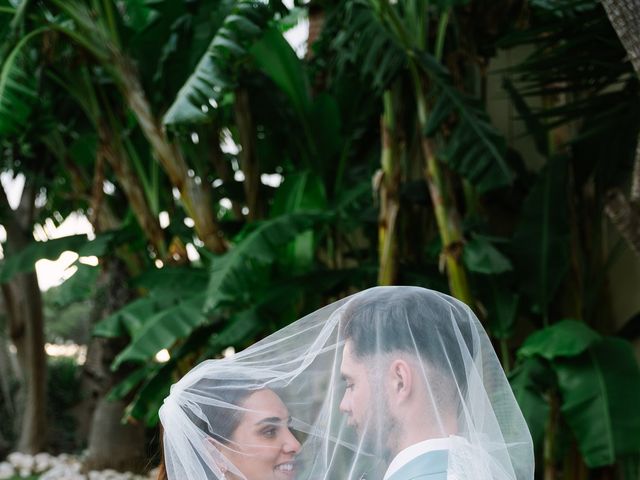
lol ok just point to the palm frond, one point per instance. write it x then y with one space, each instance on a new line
18 88
475 149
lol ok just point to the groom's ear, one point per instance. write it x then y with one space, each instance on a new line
401 380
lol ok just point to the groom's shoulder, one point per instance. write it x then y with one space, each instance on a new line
428 466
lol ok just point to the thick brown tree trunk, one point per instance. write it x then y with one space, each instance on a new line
23 302
112 444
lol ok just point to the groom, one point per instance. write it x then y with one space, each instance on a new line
404 373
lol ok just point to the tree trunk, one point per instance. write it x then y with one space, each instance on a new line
23 302
248 156
112 444
625 213
193 194
112 149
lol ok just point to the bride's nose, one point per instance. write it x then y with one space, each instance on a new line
291 443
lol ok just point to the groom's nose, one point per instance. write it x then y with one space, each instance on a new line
344 405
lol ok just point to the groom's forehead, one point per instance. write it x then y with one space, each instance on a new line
350 362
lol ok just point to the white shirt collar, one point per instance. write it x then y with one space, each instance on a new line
415 450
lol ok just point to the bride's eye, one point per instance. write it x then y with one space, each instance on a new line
349 386
269 432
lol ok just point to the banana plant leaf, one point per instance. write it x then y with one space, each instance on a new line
79 287
163 329
18 88
530 381
155 387
25 260
598 381
215 75
260 243
166 287
600 392
273 55
501 304
300 192
541 242
480 256
567 338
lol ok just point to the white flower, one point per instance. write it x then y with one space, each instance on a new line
6 470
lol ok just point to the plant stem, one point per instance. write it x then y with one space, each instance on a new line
442 33
389 194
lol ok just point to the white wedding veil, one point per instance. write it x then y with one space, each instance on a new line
390 383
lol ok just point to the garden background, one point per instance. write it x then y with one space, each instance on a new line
233 182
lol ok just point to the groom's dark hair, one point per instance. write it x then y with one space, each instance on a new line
407 319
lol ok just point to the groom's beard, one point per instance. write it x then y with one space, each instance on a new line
379 435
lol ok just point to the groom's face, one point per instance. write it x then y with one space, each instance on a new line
357 394
365 403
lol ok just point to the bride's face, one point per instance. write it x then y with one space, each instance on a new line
263 447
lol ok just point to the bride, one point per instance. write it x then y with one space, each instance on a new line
392 383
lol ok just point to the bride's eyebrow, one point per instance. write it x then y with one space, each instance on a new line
273 421
269 421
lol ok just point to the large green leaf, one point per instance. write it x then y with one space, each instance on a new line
541 240
79 287
18 88
239 327
25 260
163 329
216 72
480 256
260 243
567 338
530 381
600 392
501 304
166 288
300 192
276 58
131 317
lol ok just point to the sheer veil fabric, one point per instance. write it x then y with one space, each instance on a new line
390 383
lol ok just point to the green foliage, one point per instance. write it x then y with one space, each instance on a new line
476 149
567 338
64 393
541 240
216 73
601 392
276 58
25 260
316 121
481 256
260 245
18 88
530 381
598 382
